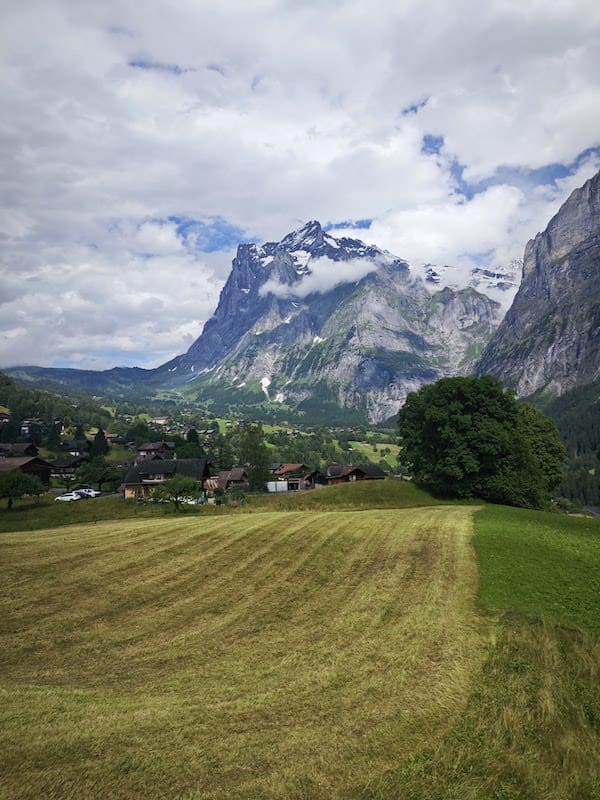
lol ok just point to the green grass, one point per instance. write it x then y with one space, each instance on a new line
546 565
356 496
29 515
352 642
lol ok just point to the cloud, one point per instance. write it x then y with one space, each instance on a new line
137 149
325 274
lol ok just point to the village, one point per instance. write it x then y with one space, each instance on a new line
225 458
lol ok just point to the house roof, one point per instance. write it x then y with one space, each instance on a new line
157 446
342 470
8 464
151 470
233 474
372 470
285 469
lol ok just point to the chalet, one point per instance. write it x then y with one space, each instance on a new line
150 449
145 475
234 478
343 473
67 466
76 447
291 474
4 414
30 465
373 472
114 438
346 473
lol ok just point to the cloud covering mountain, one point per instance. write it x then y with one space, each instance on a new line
325 275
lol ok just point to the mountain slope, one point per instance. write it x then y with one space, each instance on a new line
549 340
316 319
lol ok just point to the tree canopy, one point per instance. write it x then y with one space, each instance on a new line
176 489
98 471
14 484
467 437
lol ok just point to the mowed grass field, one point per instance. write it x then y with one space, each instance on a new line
312 648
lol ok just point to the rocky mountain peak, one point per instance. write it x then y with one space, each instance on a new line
576 221
309 237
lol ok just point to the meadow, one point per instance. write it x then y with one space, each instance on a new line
353 642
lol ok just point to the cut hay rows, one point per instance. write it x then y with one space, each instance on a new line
275 655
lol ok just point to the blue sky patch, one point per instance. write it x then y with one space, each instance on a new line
208 236
354 224
522 177
432 145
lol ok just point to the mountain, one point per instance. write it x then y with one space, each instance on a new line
312 326
318 324
549 340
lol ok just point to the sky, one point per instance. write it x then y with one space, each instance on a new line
141 142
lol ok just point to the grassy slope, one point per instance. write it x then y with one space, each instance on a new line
29 515
531 728
265 655
306 703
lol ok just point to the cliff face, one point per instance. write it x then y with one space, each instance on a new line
549 340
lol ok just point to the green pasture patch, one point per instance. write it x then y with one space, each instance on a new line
355 496
265 655
543 564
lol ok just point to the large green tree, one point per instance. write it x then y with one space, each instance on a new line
467 437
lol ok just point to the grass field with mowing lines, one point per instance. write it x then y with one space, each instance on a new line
531 728
279 655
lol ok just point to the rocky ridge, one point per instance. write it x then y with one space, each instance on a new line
549 340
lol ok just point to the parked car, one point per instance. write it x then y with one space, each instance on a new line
85 492
69 497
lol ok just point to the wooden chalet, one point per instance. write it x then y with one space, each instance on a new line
150 449
234 478
145 475
346 473
292 474
30 465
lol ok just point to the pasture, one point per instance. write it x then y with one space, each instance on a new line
311 648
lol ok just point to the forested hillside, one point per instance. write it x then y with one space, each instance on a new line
577 416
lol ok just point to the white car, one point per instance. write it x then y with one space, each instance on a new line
69 497
86 492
